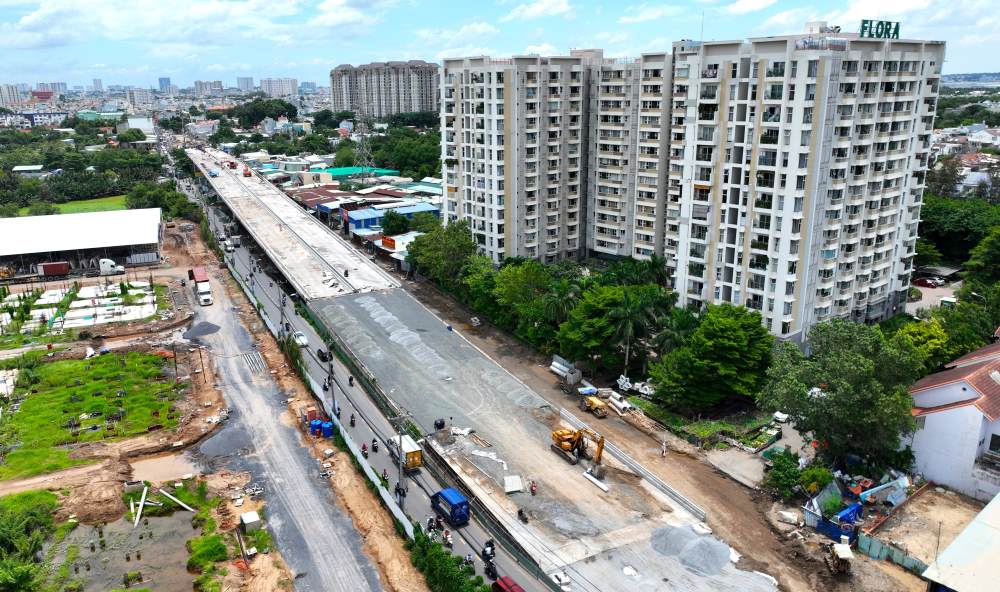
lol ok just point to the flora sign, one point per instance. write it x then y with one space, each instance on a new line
879 29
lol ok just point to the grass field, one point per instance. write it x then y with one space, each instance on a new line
98 204
82 401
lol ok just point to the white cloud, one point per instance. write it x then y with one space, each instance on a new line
747 6
541 49
644 13
453 37
787 21
465 51
612 36
659 44
538 9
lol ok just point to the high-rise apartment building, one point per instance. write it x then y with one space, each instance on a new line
785 173
164 84
626 187
514 152
799 189
205 88
307 88
57 88
139 97
279 87
380 89
98 85
9 95
244 83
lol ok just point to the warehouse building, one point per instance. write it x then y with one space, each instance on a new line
129 237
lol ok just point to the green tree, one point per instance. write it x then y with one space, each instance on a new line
632 319
956 226
324 118
253 112
344 157
588 333
944 177
442 254
132 135
851 393
41 208
394 223
724 360
931 340
520 288
424 222
562 297
984 260
315 143
9 210
478 283
673 330
927 254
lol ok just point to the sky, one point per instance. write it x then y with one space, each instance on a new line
135 42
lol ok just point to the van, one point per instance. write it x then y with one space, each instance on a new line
505 584
228 246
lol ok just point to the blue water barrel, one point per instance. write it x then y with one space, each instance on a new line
327 429
315 426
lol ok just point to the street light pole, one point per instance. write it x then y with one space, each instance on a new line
397 423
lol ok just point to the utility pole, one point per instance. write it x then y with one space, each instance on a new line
397 424
363 151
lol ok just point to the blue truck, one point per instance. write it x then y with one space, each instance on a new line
452 505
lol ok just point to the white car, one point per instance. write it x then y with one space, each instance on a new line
300 338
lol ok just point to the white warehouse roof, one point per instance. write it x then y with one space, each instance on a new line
69 232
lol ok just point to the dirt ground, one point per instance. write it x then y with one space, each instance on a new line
382 544
929 522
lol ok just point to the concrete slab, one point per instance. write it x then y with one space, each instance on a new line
434 373
310 255
746 468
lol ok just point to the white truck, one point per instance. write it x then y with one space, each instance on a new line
199 283
108 267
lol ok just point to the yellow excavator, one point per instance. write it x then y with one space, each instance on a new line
572 445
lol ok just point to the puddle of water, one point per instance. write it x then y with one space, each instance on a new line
159 543
162 468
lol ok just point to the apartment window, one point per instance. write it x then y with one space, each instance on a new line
813 68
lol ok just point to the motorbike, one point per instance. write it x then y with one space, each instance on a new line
352 420
490 570
522 516
447 540
534 488
374 446
364 450
350 381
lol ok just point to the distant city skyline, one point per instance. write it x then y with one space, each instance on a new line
136 42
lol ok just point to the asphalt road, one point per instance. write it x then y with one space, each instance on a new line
317 540
370 423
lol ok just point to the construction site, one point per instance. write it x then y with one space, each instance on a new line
494 435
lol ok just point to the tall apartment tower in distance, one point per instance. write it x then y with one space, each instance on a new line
385 88
98 85
279 87
244 83
802 173
164 84
9 95
139 97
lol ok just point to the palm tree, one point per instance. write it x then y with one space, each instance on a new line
673 330
632 319
560 300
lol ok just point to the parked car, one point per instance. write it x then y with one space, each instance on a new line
323 355
924 283
300 338
940 281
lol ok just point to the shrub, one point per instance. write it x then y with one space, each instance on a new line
204 551
813 479
784 474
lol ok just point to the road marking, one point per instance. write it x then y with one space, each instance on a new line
255 362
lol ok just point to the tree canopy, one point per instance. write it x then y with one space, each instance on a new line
132 134
984 259
164 196
722 362
851 392
253 112
394 223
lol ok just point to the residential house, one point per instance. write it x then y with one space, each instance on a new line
957 411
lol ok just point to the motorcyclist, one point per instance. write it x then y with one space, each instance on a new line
364 450
352 420
374 445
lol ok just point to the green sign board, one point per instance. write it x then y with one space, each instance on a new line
879 29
